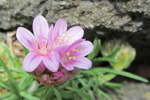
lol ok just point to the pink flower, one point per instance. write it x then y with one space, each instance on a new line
60 36
74 55
56 54
41 51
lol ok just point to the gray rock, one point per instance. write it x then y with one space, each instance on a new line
103 18
133 91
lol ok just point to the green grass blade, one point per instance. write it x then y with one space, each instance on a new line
11 80
91 94
57 93
122 73
7 94
111 84
95 52
79 92
105 95
28 96
5 85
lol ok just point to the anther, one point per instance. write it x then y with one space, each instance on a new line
62 35
70 58
58 38
68 53
60 41
75 50
74 57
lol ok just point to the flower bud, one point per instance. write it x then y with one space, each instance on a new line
123 57
49 78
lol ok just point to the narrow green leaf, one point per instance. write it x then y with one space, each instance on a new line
111 84
40 89
63 85
105 95
85 86
75 97
97 45
79 92
5 95
91 93
47 94
28 96
122 73
94 75
57 93
66 94
4 85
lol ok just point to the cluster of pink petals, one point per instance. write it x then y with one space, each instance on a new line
54 46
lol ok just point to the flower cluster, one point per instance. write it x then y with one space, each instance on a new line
56 54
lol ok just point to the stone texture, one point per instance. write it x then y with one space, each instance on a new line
133 91
103 18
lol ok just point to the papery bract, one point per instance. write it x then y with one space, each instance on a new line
62 75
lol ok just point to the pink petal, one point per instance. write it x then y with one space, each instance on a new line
50 34
61 50
40 27
51 62
25 37
60 27
83 63
75 44
67 66
31 62
84 48
75 33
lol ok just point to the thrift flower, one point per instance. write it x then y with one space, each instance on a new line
56 54
41 52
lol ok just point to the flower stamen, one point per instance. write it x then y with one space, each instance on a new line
60 41
75 50
58 38
70 58
68 53
62 35
74 57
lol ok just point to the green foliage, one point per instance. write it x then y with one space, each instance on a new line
90 84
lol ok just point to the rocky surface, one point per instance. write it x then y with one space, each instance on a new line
133 91
103 18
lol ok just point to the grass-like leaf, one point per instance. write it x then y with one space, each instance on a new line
28 96
122 73
79 92
7 94
57 93
104 94
97 46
